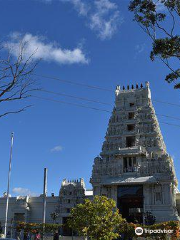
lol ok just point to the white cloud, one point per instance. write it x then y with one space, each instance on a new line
159 6
106 19
46 51
23 192
103 16
140 48
56 149
81 7
104 6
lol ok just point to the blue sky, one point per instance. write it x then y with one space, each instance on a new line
90 43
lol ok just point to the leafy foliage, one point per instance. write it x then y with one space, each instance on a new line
98 219
160 19
86 225
37 227
54 216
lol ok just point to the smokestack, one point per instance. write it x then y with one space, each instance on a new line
44 195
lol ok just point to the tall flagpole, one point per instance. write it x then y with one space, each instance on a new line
44 200
9 175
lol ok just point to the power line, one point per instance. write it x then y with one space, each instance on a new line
171 124
93 108
95 87
95 101
74 83
74 104
173 104
176 118
76 97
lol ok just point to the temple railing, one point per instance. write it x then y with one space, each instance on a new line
131 150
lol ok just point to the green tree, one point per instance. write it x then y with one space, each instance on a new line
160 19
98 219
54 216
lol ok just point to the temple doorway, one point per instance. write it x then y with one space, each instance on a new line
130 202
65 229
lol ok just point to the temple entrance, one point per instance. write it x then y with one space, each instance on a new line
65 229
130 202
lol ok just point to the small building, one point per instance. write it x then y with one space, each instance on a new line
30 209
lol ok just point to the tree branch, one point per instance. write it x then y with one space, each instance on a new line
15 78
13 112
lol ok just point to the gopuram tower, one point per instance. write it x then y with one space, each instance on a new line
134 167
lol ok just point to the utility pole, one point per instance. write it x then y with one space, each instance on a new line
72 235
44 198
8 185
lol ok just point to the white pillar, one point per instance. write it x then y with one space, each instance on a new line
8 186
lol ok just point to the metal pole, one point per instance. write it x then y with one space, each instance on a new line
11 227
72 235
44 197
9 175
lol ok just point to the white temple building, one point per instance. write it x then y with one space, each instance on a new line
30 209
134 167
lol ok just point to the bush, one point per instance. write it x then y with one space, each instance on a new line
37 227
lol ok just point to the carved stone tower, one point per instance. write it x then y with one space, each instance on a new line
71 193
134 167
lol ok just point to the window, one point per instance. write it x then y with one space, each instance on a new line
131 104
68 210
124 163
130 127
69 201
130 141
158 197
130 164
131 115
